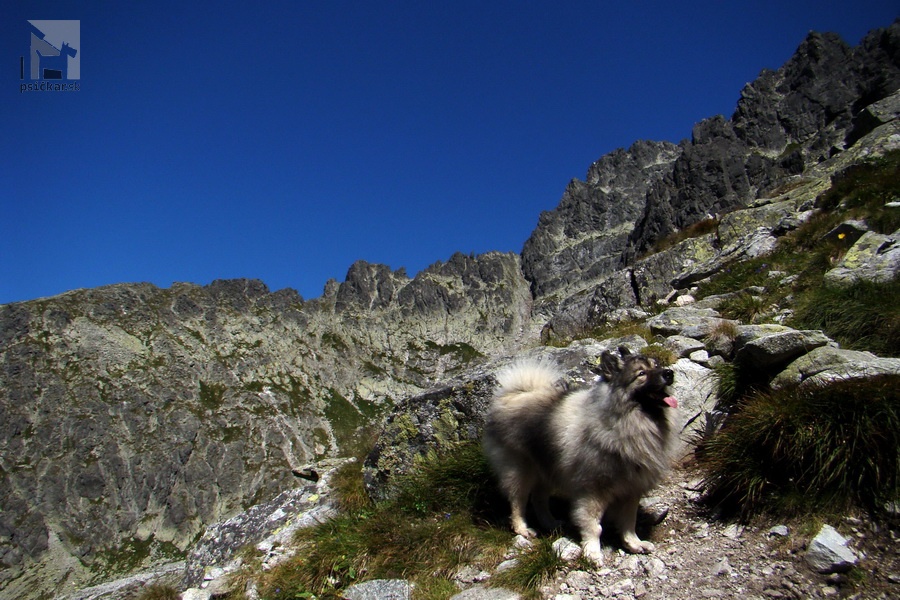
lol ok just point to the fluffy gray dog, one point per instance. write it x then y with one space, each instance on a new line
603 447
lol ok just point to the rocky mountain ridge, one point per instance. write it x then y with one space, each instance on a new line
786 122
132 417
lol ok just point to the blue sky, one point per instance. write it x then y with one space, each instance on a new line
285 140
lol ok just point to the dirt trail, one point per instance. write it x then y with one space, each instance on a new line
697 556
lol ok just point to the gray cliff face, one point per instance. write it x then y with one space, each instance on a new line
132 417
584 236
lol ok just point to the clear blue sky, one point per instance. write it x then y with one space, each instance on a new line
285 140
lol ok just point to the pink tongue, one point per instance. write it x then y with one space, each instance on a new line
671 401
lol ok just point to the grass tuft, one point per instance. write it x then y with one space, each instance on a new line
533 569
734 383
744 307
798 450
156 591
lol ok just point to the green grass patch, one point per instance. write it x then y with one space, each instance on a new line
439 520
462 351
613 330
745 307
733 383
807 449
862 190
700 228
862 316
132 555
347 419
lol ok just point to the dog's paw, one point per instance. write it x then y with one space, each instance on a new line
592 552
637 546
525 532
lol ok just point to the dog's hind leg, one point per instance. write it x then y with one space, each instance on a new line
586 513
623 515
518 486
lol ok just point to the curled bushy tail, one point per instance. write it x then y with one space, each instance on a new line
528 376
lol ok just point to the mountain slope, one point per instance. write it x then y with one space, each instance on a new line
132 416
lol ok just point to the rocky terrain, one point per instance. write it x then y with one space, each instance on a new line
133 418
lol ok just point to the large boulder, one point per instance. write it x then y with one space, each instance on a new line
769 351
874 257
826 364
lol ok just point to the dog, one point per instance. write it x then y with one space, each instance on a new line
601 447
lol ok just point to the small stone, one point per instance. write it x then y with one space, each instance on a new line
733 531
566 549
723 567
836 578
828 552
506 565
655 568
622 587
630 564
522 543
684 300
715 361
653 513
579 580
379 589
700 356
779 531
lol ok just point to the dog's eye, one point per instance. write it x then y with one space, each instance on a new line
642 373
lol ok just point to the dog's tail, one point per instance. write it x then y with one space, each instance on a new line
529 381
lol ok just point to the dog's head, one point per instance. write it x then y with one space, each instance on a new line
641 376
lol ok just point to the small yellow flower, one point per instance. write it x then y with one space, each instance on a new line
842 236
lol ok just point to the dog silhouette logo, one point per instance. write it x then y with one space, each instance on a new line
54 51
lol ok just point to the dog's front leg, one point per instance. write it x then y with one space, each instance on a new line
624 516
586 513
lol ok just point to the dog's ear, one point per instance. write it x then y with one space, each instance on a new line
610 365
624 351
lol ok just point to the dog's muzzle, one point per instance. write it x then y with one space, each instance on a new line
668 376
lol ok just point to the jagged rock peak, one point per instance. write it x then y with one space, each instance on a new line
369 286
583 237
